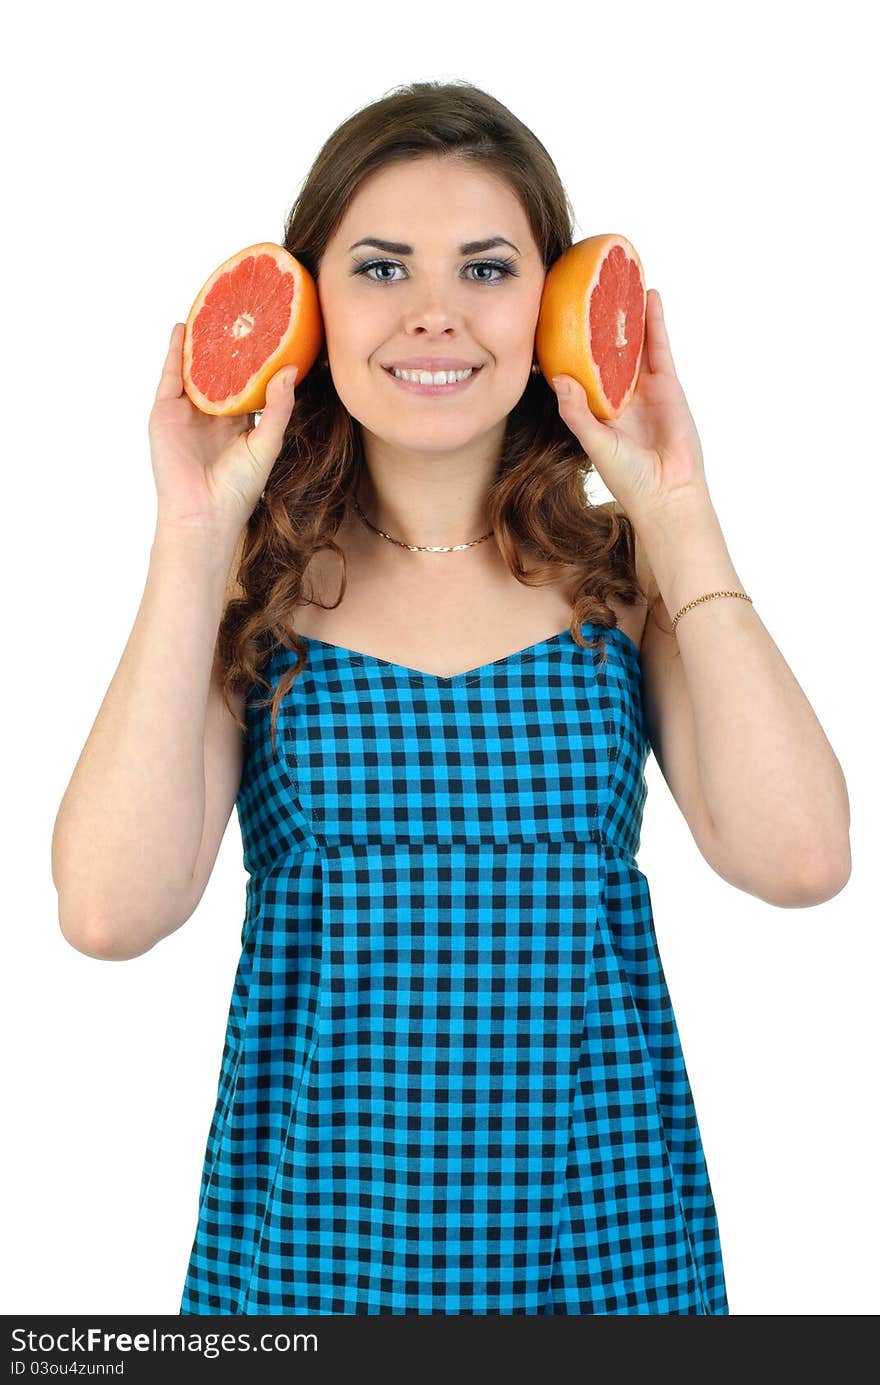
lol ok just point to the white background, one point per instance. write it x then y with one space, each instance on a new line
734 148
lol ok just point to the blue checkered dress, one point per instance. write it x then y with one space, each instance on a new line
452 1079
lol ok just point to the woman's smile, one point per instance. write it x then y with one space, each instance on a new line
433 391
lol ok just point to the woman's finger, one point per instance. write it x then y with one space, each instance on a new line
574 407
265 440
171 379
657 347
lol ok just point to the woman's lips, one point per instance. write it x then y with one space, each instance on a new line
433 391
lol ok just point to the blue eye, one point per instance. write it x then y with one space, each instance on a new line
503 267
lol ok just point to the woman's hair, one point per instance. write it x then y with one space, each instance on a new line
538 496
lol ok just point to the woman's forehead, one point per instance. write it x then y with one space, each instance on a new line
433 210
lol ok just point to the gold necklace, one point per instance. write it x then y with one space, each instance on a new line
420 548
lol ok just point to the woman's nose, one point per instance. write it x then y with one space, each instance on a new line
435 314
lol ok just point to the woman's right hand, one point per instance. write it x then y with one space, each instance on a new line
207 476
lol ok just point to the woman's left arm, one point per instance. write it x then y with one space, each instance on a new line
772 788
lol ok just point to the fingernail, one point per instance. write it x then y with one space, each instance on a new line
561 386
290 378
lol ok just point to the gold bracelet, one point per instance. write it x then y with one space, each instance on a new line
708 597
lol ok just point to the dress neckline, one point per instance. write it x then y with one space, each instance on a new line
528 652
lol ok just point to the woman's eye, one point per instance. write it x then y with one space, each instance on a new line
502 268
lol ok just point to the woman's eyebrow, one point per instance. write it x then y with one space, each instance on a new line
471 247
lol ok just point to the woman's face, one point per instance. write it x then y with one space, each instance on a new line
429 297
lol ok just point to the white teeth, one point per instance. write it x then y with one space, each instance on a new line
437 377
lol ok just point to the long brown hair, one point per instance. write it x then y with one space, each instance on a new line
538 498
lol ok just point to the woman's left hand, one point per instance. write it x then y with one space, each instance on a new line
651 454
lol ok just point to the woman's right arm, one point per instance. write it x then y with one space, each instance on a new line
142 818
130 825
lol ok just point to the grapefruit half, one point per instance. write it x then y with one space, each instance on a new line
258 312
591 322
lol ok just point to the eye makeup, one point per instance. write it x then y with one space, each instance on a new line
503 266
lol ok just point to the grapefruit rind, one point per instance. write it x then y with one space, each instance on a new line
563 336
298 344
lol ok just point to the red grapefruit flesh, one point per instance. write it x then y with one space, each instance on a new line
591 323
257 313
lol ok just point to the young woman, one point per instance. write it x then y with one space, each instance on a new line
388 626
